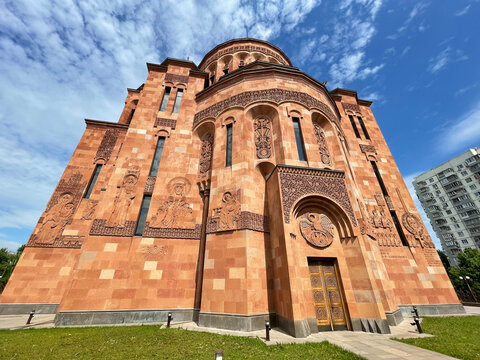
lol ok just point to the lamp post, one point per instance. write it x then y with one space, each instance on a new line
466 278
218 354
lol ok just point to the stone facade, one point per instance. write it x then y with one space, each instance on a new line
332 241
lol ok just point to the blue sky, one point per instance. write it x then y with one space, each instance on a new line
63 61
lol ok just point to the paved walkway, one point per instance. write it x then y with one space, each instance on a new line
370 346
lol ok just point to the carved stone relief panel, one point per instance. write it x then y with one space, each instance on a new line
263 137
171 123
106 146
123 200
297 182
176 212
316 229
247 220
322 144
90 210
414 226
351 107
58 214
176 78
206 154
226 217
380 220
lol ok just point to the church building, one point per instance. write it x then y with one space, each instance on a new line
230 193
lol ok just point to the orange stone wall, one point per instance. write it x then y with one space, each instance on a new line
85 256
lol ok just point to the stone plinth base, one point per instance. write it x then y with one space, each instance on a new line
20 309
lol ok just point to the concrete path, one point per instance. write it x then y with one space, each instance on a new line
14 322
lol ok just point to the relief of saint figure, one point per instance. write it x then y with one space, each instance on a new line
55 220
123 200
176 212
230 212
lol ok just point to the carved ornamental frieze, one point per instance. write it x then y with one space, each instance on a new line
276 96
58 214
368 149
263 137
175 78
171 123
206 154
322 144
316 229
247 48
351 107
106 146
150 184
247 221
298 182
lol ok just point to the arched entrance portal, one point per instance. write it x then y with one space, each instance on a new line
318 220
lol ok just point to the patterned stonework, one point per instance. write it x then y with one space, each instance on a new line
247 48
316 229
171 123
276 96
351 107
70 242
106 146
172 233
368 149
298 182
247 221
58 214
263 137
206 154
150 184
322 144
176 78
100 228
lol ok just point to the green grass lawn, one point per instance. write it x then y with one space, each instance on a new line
150 342
454 336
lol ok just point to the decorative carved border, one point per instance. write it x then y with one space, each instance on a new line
248 221
106 146
150 184
351 107
248 48
171 123
70 242
273 95
368 149
176 78
99 228
173 233
297 182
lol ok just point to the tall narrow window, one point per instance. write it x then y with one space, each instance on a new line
398 227
142 218
299 139
157 156
92 182
212 78
228 157
364 128
166 95
131 116
178 100
352 121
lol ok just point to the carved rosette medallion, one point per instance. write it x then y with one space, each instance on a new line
316 229
413 225
322 144
263 137
206 153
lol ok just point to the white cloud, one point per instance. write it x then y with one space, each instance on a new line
463 11
440 61
462 133
408 181
417 10
466 88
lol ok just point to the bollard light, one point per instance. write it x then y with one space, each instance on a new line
417 322
30 317
218 354
267 330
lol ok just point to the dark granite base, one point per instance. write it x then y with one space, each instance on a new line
20 309
394 317
297 328
111 317
438 309
235 321
379 326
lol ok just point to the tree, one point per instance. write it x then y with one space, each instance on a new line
468 265
444 258
8 260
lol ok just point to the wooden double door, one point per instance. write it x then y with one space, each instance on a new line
328 298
